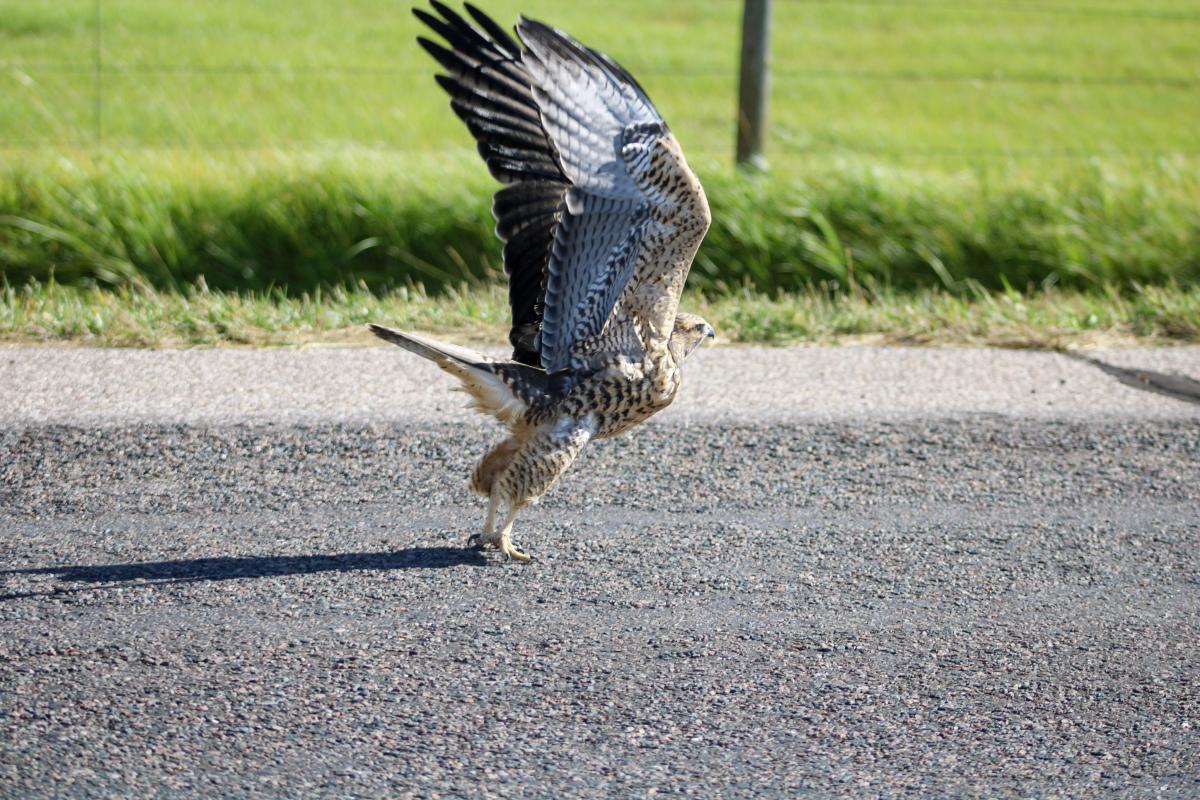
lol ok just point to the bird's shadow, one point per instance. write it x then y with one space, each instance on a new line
102 576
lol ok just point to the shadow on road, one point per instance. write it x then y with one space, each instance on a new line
1180 387
105 576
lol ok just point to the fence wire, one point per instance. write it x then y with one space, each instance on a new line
781 76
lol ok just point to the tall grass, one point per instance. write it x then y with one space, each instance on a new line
298 223
1082 227
246 224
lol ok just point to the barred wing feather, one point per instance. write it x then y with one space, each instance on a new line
490 90
600 122
592 188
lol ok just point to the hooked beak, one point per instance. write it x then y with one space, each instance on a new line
711 334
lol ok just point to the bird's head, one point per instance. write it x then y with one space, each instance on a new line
689 333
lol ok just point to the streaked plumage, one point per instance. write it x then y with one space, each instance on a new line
600 217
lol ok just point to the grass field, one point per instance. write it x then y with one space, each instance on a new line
914 145
300 223
928 80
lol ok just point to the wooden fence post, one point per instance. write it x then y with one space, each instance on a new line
754 85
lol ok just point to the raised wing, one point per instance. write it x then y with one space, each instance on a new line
591 110
491 92
598 185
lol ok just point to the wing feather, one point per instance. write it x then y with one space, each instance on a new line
608 137
490 90
526 215
595 182
593 257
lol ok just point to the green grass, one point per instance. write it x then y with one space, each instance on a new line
1053 318
275 221
913 79
928 154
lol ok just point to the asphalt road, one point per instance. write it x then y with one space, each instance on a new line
833 572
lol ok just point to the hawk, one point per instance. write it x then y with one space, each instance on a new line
601 217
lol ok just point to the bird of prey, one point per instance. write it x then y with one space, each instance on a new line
601 217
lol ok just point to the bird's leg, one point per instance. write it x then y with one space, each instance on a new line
506 545
488 536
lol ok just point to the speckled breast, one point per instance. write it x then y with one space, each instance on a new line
617 404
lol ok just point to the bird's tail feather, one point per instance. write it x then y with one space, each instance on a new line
428 348
482 378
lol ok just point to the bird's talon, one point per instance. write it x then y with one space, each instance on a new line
513 554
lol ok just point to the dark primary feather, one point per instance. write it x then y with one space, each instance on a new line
527 215
495 31
490 91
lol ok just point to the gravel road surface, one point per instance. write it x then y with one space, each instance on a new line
826 571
